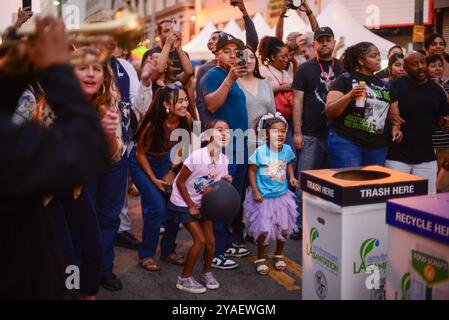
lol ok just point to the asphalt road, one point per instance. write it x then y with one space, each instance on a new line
242 283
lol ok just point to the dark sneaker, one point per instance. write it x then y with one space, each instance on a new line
209 281
190 285
221 262
296 235
237 251
111 282
127 240
239 245
250 239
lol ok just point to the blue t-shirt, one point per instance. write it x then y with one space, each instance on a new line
233 110
271 176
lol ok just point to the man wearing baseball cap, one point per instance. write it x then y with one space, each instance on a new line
323 31
252 40
310 88
225 100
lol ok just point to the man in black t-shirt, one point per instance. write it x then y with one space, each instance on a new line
164 30
310 87
423 106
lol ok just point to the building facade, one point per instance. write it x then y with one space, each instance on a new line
392 20
183 11
442 18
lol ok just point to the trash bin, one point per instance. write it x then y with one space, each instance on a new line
344 230
418 267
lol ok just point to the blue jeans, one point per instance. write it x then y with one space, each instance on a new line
154 203
346 154
313 156
290 134
223 238
107 194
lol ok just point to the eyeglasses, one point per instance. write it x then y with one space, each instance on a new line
174 85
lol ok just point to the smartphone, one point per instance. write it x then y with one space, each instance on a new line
26 4
176 26
242 56
342 39
168 188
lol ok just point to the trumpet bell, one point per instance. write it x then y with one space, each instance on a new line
127 30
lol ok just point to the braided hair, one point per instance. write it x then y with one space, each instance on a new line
268 47
350 58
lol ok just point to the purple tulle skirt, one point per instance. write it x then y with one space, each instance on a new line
275 217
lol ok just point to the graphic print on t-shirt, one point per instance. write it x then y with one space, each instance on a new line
276 170
373 117
201 183
322 90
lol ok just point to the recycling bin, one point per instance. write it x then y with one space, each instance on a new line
345 236
418 267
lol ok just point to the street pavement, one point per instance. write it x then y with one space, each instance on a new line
242 283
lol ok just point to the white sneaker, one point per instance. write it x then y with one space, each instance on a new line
223 263
237 252
209 281
190 285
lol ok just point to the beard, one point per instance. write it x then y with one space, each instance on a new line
325 54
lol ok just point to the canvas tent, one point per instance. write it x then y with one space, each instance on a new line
233 28
336 16
293 23
197 48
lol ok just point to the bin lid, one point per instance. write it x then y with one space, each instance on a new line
358 186
427 216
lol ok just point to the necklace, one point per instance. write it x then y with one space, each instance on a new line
282 75
212 172
327 80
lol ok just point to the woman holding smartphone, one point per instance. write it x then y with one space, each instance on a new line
259 97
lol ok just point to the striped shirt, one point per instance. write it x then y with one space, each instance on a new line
441 138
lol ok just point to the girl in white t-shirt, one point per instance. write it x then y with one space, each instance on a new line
202 168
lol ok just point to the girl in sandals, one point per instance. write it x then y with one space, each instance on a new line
270 206
201 169
153 167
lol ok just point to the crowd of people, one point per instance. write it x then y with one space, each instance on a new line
82 130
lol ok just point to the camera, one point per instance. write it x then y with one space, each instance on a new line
295 4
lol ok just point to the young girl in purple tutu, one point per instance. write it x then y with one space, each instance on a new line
270 206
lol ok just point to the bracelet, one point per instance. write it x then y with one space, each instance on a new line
175 168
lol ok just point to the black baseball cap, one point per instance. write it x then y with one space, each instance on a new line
225 39
324 31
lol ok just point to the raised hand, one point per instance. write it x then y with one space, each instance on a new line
23 15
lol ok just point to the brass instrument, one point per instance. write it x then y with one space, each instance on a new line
126 30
